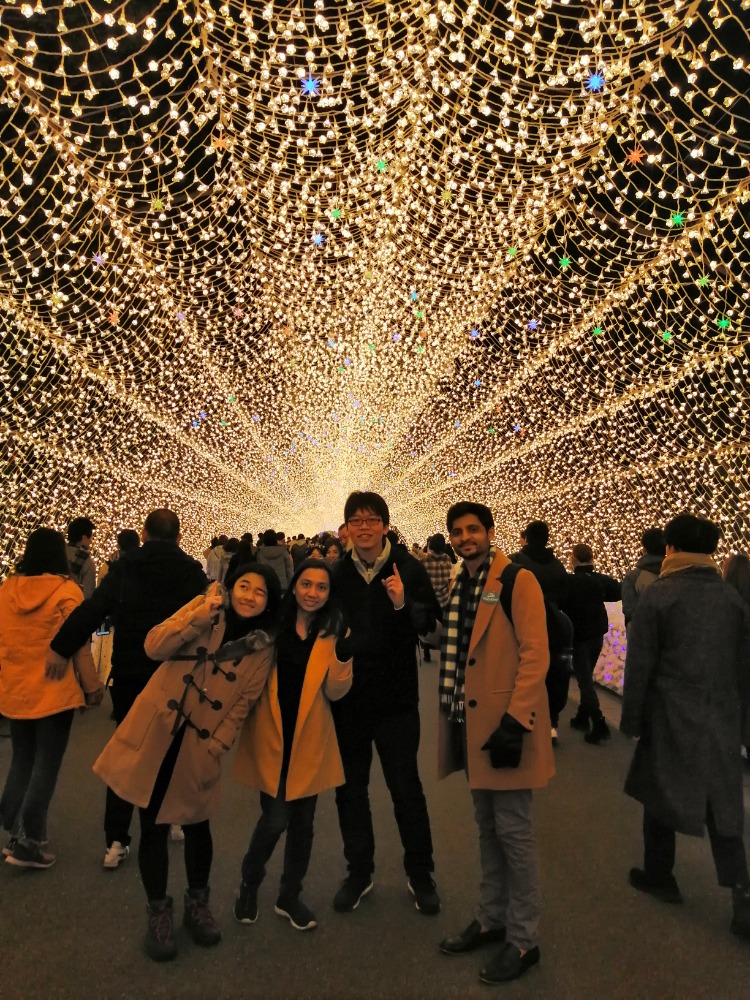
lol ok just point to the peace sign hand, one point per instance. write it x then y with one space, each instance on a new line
394 586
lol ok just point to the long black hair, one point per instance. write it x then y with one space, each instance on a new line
328 620
45 552
266 621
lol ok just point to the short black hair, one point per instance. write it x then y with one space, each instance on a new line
653 542
366 500
128 539
268 619
269 537
463 507
162 525
688 533
78 528
44 553
436 543
537 533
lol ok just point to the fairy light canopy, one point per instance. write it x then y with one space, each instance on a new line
254 255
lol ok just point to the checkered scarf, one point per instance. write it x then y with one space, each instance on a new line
456 637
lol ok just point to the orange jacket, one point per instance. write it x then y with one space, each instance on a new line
315 763
32 609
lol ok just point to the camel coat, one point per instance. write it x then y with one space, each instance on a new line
315 763
131 760
505 672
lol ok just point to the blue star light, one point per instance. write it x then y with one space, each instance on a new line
533 324
595 81
310 86
396 337
331 342
517 428
98 259
180 316
318 239
414 296
477 381
474 334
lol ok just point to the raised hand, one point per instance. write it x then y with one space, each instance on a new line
394 586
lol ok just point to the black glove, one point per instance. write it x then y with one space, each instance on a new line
506 743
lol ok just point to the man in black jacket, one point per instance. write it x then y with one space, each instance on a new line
583 602
388 602
144 587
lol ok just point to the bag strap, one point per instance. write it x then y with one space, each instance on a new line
507 582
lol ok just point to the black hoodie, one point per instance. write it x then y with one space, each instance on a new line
546 567
144 587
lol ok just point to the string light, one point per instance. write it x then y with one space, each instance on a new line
227 200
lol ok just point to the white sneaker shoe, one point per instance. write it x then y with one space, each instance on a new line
115 855
176 832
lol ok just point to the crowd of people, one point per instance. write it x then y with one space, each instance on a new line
305 652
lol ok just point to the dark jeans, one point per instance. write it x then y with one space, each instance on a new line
659 851
38 749
153 849
585 655
118 813
557 683
296 817
396 739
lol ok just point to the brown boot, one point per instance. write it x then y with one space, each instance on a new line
198 918
159 942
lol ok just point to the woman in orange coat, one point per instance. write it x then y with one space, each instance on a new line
288 748
34 603
165 756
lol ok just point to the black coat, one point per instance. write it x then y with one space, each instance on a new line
384 641
546 567
687 678
144 587
582 599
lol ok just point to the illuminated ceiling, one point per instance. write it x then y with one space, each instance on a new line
255 255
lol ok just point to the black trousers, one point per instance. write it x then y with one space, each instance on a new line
38 749
659 843
118 814
585 655
396 739
278 815
153 849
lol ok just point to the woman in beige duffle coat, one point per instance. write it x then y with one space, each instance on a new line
165 756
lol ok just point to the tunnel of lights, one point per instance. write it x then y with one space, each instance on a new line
254 255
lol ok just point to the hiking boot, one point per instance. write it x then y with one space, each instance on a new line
159 941
426 899
665 889
115 854
246 904
296 913
599 731
352 889
198 918
27 855
741 911
580 721
8 849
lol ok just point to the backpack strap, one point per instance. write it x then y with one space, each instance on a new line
507 582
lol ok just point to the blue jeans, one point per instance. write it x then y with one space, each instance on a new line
38 749
278 815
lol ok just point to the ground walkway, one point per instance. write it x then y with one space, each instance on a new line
75 930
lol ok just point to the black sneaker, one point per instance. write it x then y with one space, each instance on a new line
665 889
351 891
425 894
246 904
580 721
599 731
296 913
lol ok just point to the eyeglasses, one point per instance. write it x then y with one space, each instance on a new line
357 522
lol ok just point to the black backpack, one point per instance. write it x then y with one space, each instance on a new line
559 636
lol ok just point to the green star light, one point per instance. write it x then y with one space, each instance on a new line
598 331
703 281
565 262
724 323
678 218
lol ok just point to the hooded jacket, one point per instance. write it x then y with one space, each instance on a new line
646 572
32 609
278 558
546 567
143 588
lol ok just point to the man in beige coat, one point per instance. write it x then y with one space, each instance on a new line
494 724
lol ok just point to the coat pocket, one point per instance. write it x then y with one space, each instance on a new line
133 729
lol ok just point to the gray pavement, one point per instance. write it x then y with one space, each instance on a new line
75 930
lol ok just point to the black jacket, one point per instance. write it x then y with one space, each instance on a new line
583 600
144 587
546 567
384 641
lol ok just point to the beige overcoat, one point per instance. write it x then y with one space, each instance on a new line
315 762
131 760
505 672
